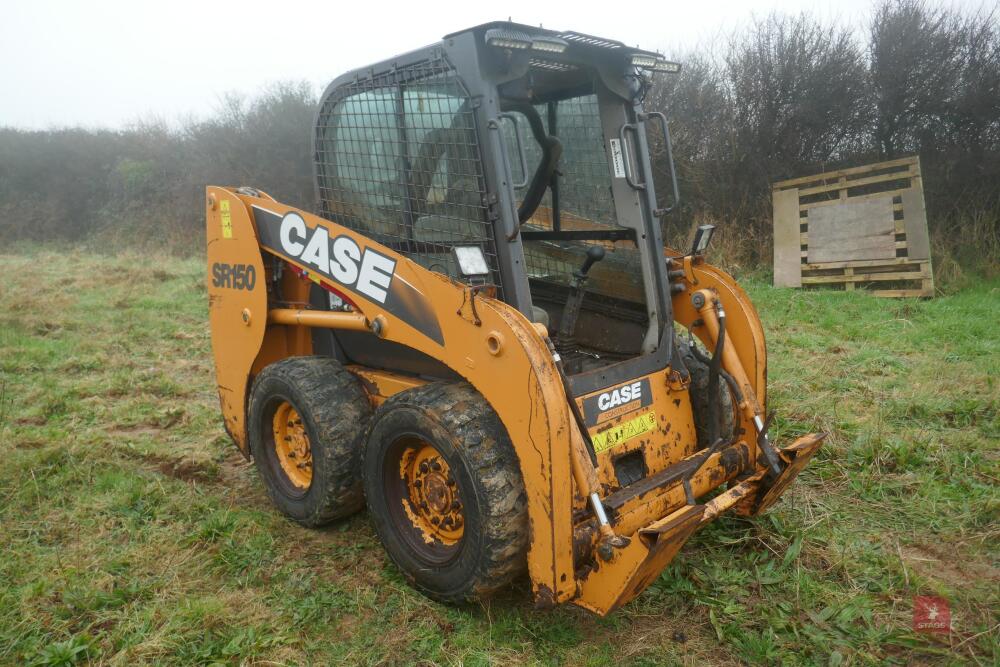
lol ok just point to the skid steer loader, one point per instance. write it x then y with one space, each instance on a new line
480 333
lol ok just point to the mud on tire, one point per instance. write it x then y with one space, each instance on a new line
334 412
469 446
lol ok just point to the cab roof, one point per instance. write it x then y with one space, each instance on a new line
577 40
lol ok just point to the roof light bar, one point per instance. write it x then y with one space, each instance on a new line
645 62
653 62
515 39
667 66
507 39
548 44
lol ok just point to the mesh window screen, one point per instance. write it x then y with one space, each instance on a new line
398 159
585 200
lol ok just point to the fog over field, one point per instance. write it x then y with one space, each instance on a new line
113 62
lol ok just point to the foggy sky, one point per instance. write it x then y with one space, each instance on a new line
108 63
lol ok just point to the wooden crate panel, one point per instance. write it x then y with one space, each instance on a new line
863 227
852 231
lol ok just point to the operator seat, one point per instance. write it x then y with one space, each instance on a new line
443 222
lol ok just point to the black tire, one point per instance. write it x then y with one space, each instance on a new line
479 458
334 411
700 399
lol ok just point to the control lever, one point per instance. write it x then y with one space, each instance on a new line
595 253
571 311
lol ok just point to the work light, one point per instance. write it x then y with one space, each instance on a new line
470 260
702 238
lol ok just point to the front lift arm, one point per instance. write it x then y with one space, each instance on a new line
706 291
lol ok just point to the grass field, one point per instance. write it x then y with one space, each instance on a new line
133 532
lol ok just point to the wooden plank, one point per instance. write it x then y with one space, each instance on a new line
874 195
850 171
899 228
852 231
849 286
911 267
888 276
858 264
787 265
915 219
900 245
869 180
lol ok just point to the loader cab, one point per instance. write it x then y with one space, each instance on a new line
530 145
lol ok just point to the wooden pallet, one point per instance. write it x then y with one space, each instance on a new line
869 230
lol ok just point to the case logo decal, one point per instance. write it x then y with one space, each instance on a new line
368 271
617 401
343 261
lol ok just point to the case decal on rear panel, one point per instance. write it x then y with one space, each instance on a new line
617 401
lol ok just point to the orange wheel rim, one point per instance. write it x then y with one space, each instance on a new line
432 503
291 444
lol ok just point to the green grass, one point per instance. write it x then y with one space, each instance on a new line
133 532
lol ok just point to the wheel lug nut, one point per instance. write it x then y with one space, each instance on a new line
437 466
291 423
455 505
423 504
435 520
447 521
417 483
423 466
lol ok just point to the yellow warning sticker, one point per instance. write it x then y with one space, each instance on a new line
227 220
634 427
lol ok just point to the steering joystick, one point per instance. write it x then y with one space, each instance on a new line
595 253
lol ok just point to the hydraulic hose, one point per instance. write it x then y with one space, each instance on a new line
730 380
714 368
714 371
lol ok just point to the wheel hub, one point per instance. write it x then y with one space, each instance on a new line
291 444
432 503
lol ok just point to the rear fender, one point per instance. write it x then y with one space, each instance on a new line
237 303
